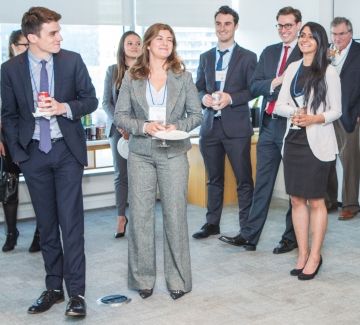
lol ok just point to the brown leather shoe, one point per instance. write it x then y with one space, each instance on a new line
347 214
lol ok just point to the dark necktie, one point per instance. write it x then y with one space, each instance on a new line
219 67
271 105
45 136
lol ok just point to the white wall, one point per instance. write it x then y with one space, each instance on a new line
258 19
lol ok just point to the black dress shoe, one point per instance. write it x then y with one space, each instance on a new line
304 276
238 240
11 241
331 207
284 247
176 294
206 230
76 306
46 300
35 245
145 293
296 272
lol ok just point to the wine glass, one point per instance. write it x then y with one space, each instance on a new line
163 143
332 52
298 111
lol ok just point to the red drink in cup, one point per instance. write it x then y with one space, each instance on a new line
44 97
43 102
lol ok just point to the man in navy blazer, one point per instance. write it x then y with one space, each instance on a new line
51 152
346 60
267 82
225 72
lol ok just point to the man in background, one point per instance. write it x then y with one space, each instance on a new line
346 60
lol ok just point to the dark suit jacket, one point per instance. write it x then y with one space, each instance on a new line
265 72
72 85
350 88
235 118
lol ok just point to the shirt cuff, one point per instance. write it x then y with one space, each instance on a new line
68 113
143 129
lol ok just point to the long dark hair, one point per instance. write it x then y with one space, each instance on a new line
120 60
141 68
316 82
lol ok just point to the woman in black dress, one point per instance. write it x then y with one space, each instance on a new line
311 97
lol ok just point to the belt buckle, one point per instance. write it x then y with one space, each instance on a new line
274 116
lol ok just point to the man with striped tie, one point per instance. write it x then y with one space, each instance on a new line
267 82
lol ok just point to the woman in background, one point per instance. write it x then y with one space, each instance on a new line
128 50
158 85
311 95
17 45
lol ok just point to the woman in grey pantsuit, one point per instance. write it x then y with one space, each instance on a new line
129 49
157 85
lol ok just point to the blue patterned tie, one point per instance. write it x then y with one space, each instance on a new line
219 67
45 136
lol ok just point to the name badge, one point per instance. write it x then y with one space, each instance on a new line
220 76
157 113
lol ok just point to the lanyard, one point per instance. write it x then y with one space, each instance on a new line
295 82
152 98
33 79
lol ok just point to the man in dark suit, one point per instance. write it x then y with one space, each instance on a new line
346 60
267 82
223 81
51 150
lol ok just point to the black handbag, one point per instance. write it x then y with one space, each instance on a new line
9 184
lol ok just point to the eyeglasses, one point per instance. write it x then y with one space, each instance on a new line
342 34
286 26
23 44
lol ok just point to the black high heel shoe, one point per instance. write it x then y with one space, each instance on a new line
145 293
304 276
176 294
122 234
11 241
296 272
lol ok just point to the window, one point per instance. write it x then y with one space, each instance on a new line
98 44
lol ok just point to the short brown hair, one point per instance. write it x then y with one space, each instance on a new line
36 16
226 10
141 68
290 11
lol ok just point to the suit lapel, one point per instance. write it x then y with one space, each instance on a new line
173 89
211 68
58 76
25 76
235 57
140 94
294 55
353 53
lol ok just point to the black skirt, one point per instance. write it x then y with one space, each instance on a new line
305 175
